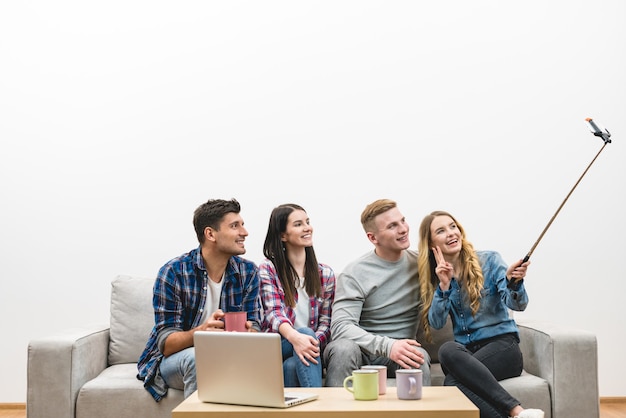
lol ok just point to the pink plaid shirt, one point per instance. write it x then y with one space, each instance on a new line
275 312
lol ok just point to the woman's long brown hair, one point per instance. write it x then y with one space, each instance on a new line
274 250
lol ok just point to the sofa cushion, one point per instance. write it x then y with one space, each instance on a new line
132 318
117 393
531 391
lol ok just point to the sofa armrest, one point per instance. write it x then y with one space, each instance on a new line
568 360
59 365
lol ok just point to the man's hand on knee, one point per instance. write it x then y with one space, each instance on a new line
407 354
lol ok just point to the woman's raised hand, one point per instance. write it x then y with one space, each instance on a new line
444 269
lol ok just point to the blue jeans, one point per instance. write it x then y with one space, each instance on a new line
295 372
477 368
179 371
343 356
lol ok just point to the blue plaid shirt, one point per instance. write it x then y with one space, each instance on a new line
180 293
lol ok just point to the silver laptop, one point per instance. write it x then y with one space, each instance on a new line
243 368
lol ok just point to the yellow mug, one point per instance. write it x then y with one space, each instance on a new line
363 384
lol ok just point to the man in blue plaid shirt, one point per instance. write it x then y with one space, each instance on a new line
192 292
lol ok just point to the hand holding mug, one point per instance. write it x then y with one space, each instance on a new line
214 323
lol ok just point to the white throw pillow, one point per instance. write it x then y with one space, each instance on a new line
132 318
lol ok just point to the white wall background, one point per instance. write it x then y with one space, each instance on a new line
118 118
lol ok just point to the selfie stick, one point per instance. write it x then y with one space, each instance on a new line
597 131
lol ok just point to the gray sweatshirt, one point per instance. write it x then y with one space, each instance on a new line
377 302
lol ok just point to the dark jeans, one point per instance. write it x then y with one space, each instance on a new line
477 368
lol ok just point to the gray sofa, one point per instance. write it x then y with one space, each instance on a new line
90 373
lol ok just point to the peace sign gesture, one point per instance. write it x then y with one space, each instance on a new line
444 269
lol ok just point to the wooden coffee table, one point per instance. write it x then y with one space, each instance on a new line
436 402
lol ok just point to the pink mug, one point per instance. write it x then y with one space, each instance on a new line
382 376
235 321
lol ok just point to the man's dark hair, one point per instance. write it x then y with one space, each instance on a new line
211 213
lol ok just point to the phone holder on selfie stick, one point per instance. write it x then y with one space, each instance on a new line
597 131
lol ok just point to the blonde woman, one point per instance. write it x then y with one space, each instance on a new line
476 289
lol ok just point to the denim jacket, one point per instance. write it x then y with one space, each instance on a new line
492 318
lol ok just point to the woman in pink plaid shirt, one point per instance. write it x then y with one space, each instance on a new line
297 293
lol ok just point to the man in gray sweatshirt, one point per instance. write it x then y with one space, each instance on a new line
375 312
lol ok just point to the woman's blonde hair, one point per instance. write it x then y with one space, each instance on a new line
469 274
